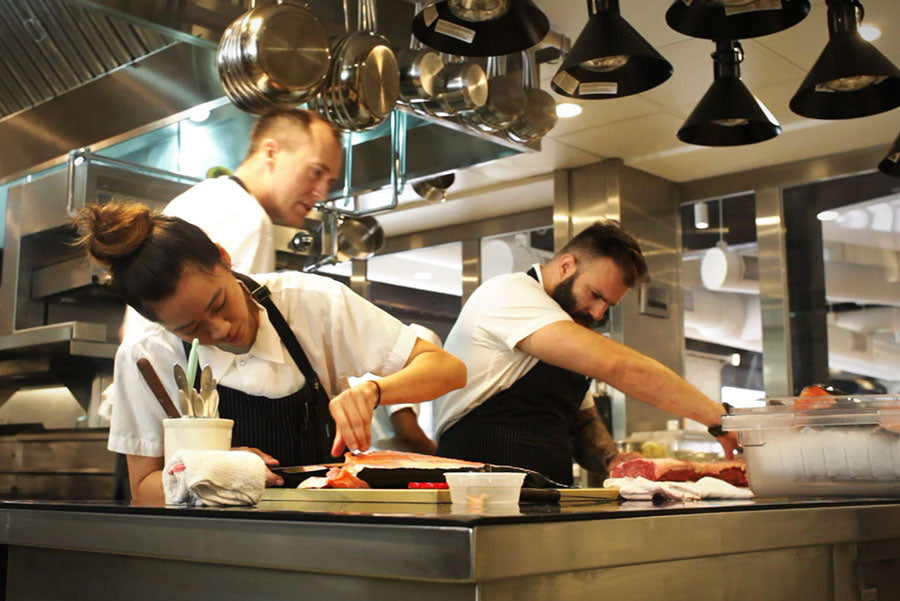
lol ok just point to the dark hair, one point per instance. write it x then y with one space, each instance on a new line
606 238
275 124
146 252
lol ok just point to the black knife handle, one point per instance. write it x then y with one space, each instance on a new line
541 495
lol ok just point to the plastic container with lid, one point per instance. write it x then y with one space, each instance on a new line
821 446
484 488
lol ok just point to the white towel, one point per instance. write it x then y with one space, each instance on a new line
641 489
214 478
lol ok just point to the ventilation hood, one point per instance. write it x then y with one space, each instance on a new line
92 73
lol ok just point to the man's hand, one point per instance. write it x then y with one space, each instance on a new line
352 413
729 442
272 479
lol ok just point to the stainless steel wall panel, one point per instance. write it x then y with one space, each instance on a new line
773 293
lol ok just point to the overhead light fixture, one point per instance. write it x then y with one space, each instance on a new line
890 164
481 27
701 216
734 19
609 59
851 78
828 215
869 33
736 359
728 114
565 110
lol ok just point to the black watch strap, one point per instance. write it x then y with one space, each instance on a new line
717 430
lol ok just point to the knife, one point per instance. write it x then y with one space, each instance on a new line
299 469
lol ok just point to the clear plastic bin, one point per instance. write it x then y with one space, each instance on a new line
821 446
484 488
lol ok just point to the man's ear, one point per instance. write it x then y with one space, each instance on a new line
567 265
270 148
226 258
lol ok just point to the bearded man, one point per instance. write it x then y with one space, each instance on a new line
528 343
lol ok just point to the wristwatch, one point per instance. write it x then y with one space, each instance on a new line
717 430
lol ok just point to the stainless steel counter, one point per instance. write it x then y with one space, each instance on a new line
766 549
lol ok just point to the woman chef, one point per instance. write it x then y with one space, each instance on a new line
278 344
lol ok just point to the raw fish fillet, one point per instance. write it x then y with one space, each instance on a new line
346 475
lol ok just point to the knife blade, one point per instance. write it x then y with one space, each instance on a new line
300 469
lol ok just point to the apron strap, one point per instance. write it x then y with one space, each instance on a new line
262 295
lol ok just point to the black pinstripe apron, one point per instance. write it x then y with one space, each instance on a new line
296 429
530 424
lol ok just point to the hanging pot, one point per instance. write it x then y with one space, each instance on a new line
273 56
460 86
434 189
359 238
539 115
505 100
363 83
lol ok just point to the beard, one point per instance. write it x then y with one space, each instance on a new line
565 298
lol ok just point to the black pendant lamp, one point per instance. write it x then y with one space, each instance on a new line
890 164
734 19
609 59
728 114
481 27
851 78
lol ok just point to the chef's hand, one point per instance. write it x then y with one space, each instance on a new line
729 442
352 413
272 479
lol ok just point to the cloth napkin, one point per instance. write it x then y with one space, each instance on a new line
641 489
214 478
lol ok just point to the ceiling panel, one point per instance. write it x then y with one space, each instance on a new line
631 138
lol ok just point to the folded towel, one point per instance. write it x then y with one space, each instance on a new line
214 478
641 489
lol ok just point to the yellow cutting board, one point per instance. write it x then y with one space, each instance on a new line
401 495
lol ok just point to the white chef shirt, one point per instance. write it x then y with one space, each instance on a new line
232 217
342 334
501 312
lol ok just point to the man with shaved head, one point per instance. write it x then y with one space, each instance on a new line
293 157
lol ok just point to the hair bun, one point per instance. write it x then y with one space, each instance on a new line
113 230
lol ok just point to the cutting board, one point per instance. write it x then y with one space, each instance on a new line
401 495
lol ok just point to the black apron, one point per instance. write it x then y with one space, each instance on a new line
296 429
529 425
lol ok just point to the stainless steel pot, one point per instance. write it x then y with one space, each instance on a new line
359 238
539 115
363 84
460 86
505 101
418 70
275 55
434 189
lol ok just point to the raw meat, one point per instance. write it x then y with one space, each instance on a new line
677 470
346 475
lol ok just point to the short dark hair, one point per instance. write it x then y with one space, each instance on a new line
606 238
274 123
146 252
